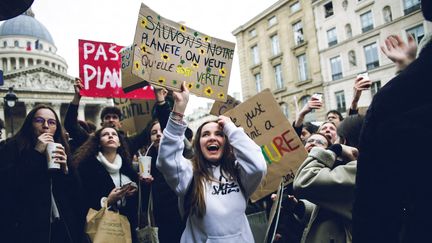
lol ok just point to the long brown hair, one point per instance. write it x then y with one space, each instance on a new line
202 173
26 137
91 148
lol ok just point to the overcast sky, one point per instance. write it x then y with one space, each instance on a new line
115 21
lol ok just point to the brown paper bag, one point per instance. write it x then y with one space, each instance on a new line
106 226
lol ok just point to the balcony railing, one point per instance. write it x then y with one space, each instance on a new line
367 28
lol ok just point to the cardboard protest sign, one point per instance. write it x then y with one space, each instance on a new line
168 53
100 71
136 114
264 122
130 82
220 107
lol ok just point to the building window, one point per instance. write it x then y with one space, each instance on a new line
352 58
272 21
336 68
278 76
255 55
411 6
252 33
348 31
302 67
366 21
331 37
417 32
16 43
258 82
275 44
375 87
295 7
345 4
298 33
387 14
284 108
4 44
328 9
371 54
340 101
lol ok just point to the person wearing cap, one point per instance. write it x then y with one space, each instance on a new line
392 196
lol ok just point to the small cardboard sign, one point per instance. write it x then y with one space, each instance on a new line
168 53
136 114
263 121
100 70
130 82
220 107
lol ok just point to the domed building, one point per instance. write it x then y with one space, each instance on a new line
31 65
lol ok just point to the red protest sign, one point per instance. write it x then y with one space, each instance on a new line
100 71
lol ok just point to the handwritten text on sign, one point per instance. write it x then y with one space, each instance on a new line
264 122
168 53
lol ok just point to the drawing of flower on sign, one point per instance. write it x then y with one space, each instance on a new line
190 86
165 57
209 91
161 80
177 52
222 72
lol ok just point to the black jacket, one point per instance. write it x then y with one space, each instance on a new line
97 183
393 185
25 202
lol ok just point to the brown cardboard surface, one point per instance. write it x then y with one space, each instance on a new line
136 114
263 121
220 107
168 53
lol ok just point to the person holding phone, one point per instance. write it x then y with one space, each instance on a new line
39 204
107 176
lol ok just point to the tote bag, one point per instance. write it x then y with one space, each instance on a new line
148 234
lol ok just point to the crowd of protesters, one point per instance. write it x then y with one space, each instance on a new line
52 174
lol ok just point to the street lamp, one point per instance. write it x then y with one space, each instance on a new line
10 99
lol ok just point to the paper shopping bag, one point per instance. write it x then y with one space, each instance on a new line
105 226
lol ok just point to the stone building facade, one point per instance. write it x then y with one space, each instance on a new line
350 34
278 50
37 73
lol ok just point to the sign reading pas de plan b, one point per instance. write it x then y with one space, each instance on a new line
167 53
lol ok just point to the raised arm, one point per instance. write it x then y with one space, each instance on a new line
248 155
76 132
400 52
176 169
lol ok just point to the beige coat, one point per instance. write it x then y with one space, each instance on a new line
329 196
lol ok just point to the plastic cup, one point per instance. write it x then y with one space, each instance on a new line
145 166
51 147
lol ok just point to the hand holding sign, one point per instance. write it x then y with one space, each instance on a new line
181 99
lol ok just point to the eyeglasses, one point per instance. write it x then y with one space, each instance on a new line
40 120
316 141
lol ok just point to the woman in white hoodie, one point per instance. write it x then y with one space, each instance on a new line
215 186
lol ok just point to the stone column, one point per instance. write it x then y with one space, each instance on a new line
2 116
29 106
56 107
25 62
81 113
2 110
8 68
16 63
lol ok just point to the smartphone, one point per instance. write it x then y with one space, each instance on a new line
124 186
365 76
318 96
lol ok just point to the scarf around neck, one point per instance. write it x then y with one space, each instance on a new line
112 168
